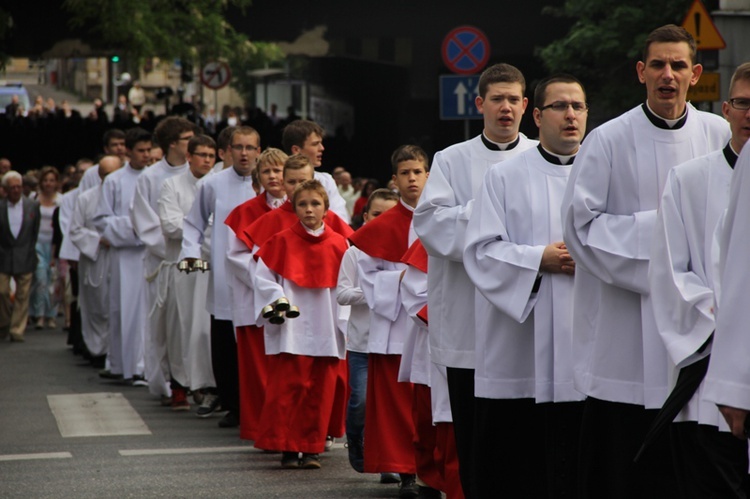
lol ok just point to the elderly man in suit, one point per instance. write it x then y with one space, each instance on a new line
19 228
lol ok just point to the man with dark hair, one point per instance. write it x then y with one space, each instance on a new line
218 195
19 228
440 220
306 137
224 148
127 303
709 461
113 142
525 401
172 134
609 216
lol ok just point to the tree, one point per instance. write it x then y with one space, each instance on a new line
194 32
604 44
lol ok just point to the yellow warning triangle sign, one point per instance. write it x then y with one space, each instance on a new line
699 24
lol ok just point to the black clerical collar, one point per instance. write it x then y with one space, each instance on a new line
552 158
660 122
494 147
730 155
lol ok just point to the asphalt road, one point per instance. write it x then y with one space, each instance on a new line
179 456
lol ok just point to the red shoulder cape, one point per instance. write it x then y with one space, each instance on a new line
306 260
284 217
387 236
245 214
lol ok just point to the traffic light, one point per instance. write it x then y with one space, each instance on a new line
115 59
186 73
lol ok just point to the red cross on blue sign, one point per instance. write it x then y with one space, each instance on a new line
465 50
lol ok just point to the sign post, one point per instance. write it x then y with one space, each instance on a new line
216 75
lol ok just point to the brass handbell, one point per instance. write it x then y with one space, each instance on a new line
197 265
278 318
183 266
293 312
268 312
281 305
206 265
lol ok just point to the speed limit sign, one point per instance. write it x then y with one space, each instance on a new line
216 75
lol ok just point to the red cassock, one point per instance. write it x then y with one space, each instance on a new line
251 350
389 425
305 398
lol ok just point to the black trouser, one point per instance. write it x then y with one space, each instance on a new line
611 434
75 334
709 463
461 393
224 364
562 435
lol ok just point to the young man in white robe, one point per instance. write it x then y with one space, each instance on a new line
440 221
93 267
113 143
609 215
172 135
526 403
218 194
709 461
127 300
389 425
306 137
183 294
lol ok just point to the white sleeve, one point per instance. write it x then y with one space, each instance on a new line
118 230
728 378
503 271
613 247
239 259
267 289
380 286
85 239
439 220
170 214
146 223
348 291
414 293
682 300
196 221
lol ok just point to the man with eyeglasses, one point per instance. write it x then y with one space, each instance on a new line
710 462
172 135
184 296
218 194
609 216
516 258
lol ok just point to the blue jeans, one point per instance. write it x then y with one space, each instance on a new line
355 409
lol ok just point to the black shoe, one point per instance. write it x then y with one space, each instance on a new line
290 460
387 478
230 420
139 380
210 404
310 462
408 488
428 493
356 455
98 361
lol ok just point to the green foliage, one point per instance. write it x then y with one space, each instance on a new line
196 31
604 44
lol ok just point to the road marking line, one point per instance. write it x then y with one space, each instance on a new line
41 455
96 415
187 450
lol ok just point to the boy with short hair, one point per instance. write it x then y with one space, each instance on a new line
301 263
389 428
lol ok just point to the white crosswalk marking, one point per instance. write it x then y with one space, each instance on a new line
96 415
41 455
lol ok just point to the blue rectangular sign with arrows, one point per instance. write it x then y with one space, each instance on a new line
457 95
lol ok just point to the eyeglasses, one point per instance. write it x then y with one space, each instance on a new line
562 106
740 104
240 148
204 155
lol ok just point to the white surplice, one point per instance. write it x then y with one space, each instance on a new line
218 194
609 215
523 338
68 250
728 379
159 295
93 273
440 221
337 203
681 271
127 288
349 292
188 321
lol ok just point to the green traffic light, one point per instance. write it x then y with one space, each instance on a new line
115 58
